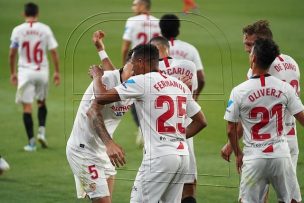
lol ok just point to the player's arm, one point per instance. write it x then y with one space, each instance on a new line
55 58
98 42
114 151
234 141
12 62
124 50
300 117
102 95
200 84
198 123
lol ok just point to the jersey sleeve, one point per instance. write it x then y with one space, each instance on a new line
127 35
134 87
197 60
14 39
51 41
232 113
294 104
192 107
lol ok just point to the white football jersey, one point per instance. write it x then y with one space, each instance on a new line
83 135
260 103
140 29
33 39
178 67
162 105
286 69
183 50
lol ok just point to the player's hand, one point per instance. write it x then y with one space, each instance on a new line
97 40
95 71
239 162
56 78
187 80
116 154
14 79
226 151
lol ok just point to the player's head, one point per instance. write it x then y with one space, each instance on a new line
162 45
141 6
259 29
144 59
263 53
169 25
31 10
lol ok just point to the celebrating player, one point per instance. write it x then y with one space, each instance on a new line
31 39
162 103
260 104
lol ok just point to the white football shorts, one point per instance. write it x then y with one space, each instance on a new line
90 173
191 175
258 173
160 179
32 84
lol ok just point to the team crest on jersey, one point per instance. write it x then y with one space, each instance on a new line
92 186
130 81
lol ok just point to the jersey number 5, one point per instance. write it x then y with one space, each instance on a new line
181 112
37 52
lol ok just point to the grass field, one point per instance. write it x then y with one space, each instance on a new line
44 176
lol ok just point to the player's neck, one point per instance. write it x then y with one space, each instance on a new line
258 71
31 19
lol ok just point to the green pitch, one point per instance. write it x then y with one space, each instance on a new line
44 176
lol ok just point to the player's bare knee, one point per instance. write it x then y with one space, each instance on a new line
27 108
101 200
41 103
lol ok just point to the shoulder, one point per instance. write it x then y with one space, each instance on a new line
18 28
184 62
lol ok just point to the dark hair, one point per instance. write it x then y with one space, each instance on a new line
129 55
31 9
260 28
160 40
169 26
148 52
265 50
147 3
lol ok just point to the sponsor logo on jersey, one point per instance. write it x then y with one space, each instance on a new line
130 81
230 102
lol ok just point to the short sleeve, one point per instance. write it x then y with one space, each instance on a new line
197 60
127 35
51 41
134 87
232 113
192 107
14 39
294 104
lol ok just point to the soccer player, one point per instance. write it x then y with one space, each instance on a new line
31 40
284 68
189 5
260 104
162 103
169 25
4 166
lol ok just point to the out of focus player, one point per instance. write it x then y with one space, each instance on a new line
162 103
31 40
189 5
139 29
284 68
169 25
91 152
260 104
4 166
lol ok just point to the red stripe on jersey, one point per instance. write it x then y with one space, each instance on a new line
31 23
262 79
166 61
292 132
180 146
280 58
172 41
269 149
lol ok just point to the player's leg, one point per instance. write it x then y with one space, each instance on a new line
189 189
29 127
42 113
111 181
253 181
284 180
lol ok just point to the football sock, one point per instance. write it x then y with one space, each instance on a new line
189 200
42 112
28 123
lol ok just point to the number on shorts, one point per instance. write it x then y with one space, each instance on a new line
265 116
181 112
93 171
37 52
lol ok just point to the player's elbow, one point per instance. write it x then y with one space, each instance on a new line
101 100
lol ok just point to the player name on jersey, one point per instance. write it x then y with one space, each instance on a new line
285 66
168 83
264 92
178 71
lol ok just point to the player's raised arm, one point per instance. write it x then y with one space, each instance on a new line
114 151
102 96
99 44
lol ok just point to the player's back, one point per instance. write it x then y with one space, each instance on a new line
262 106
33 39
140 29
179 67
183 50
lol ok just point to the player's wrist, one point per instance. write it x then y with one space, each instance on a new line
103 54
